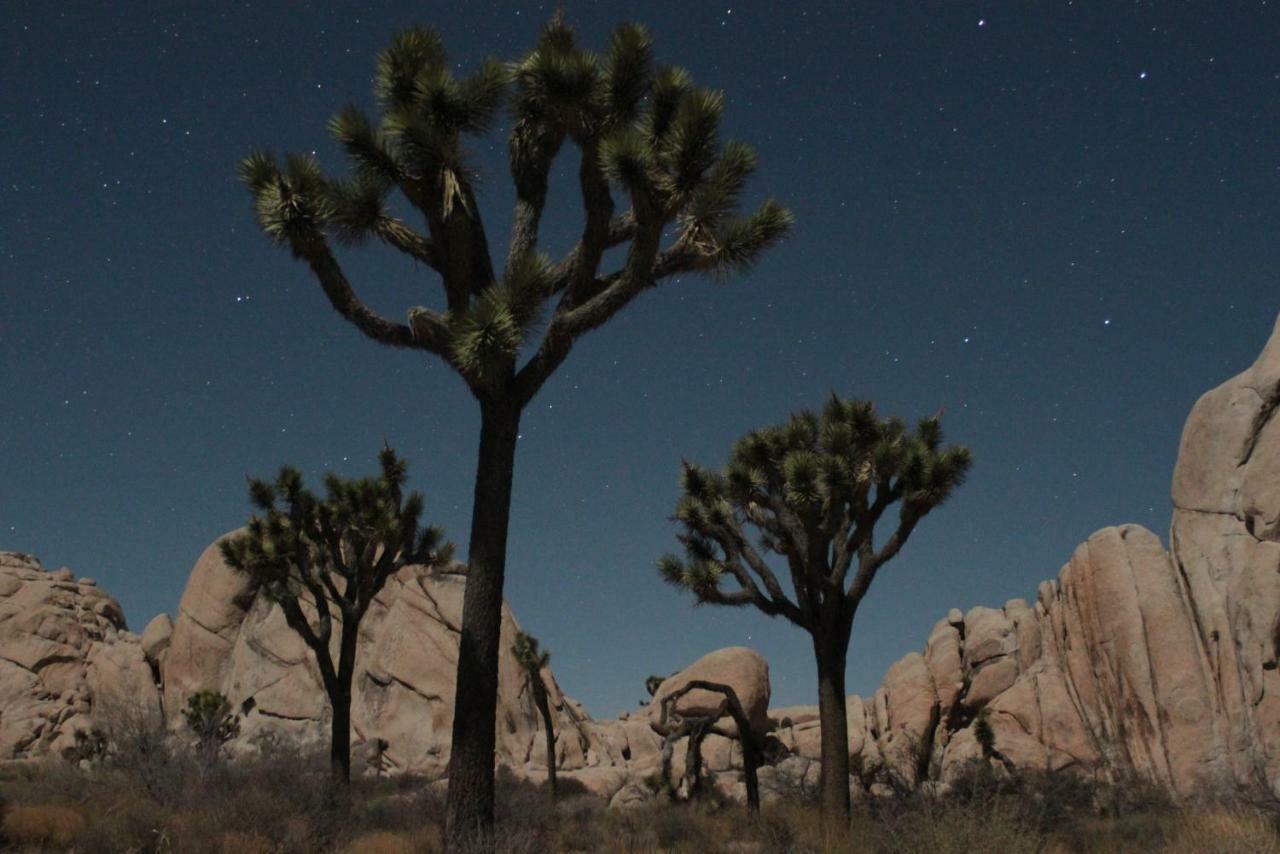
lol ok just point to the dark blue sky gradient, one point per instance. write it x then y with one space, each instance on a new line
1056 220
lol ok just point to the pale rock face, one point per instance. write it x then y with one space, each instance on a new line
66 660
156 637
1134 658
231 639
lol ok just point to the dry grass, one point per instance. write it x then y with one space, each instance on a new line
168 801
42 825
1225 831
245 843
387 842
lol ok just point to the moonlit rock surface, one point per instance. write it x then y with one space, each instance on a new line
740 668
66 660
230 638
1136 658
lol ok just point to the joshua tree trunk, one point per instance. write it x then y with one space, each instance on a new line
470 802
340 700
540 698
831 650
750 767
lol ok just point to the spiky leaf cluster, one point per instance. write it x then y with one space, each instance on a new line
340 548
208 714
657 135
644 130
528 654
813 488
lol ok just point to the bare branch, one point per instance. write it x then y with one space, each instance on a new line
621 229
758 565
566 327
395 233
533 148
315 251
597 204
870 561
430 332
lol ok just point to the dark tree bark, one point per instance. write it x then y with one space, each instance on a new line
698 728
469 814
340 700
831 653
544 708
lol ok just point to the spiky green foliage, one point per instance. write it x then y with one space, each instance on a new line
645 131
336 550
813 488
208 714
529 655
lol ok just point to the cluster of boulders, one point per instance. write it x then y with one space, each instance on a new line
1135 659
64 650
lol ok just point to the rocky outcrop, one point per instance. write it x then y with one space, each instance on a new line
741 669
230 639
66 660
1135 659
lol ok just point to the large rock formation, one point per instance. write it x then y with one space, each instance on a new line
230 639
65 656
1135 659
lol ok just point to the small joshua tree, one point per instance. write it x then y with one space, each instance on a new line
533 660
660 193
208 715
325 559
814 488
986 738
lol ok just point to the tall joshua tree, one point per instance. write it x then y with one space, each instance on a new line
645 133
325 559
814 489
534 660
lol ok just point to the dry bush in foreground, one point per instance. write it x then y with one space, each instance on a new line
42 825
284 803
1226 832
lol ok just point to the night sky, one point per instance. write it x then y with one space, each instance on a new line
1057 220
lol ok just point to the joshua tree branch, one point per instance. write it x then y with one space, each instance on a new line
870 561
782 604
569 325
531 185
621 229
319 645
315 251
395 233
430 332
